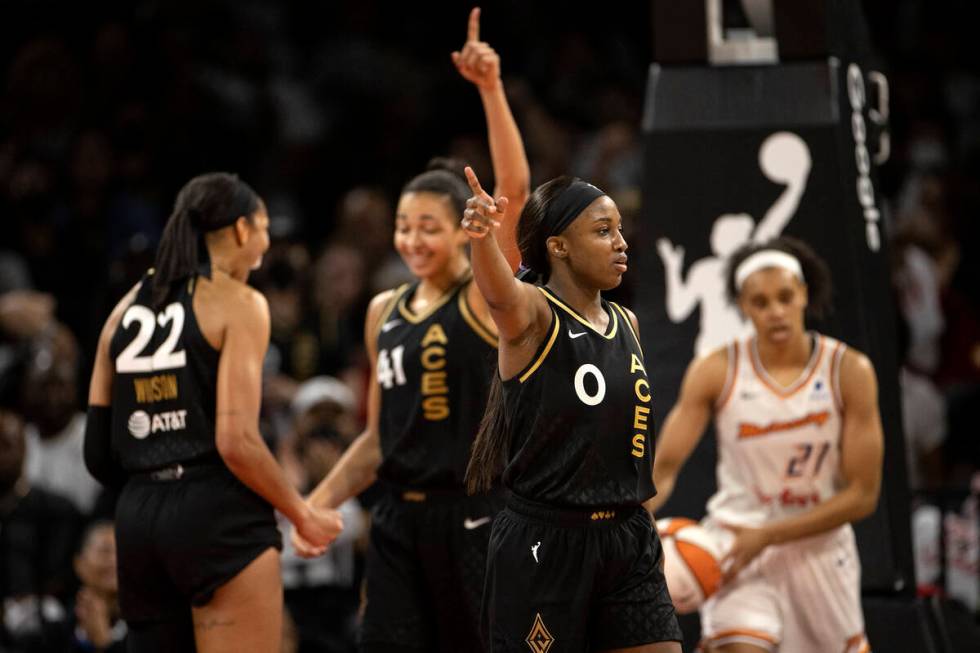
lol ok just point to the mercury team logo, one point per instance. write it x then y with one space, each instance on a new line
539 639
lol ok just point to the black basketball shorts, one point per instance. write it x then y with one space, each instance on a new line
560 581
424 575
179 540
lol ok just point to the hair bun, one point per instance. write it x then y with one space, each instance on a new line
448 164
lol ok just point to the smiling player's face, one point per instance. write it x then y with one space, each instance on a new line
427 233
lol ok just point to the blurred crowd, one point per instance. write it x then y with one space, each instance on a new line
326 109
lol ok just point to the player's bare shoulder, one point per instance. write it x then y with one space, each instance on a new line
857 375
223 302
706 375
116 316
380 305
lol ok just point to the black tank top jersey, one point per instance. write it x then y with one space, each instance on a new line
580 415
165 384
433 371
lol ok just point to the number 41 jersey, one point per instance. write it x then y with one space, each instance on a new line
434 370
165 383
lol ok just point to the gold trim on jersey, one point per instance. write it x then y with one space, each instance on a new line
571 311
389 307
474 321
429 310
629 325
544 352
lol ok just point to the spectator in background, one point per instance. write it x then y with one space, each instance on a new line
98 626
321 593
364 221
294 351
56 426
38 531
339 304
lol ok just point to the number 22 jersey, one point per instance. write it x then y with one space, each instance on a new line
165 383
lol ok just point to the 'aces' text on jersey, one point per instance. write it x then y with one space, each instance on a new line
580 415
433 372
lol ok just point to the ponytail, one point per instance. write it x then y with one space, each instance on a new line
492 444
178 255
206 203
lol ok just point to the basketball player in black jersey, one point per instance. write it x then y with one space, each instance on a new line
432 347
173 420
574 562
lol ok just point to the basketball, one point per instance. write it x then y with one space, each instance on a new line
691 562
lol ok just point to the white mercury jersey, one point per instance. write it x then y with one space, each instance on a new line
778 446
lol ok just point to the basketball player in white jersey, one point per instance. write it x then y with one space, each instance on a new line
799 459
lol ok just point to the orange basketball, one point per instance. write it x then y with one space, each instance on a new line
691 562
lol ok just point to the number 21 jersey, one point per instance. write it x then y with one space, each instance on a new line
778 446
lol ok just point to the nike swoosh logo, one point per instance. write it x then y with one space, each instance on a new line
388 326
470 524
573 336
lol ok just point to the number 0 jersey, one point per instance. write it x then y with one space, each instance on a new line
434 370
580 415
165 383
778 447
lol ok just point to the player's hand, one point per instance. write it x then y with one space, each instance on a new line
477 62
316 531
748 543
482 211
670 254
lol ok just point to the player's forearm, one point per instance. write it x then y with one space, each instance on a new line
511 171
250 460
356 470
850 505
493 275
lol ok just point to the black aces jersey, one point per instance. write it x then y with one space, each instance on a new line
580 415
165 384
433 371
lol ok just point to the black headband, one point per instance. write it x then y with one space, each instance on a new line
568 205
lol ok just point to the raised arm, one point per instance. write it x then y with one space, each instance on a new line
237 418
520 312
862 447
478 63
703 384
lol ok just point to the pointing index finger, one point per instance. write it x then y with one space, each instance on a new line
473 181
473 28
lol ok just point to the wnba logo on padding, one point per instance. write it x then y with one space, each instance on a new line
784 158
